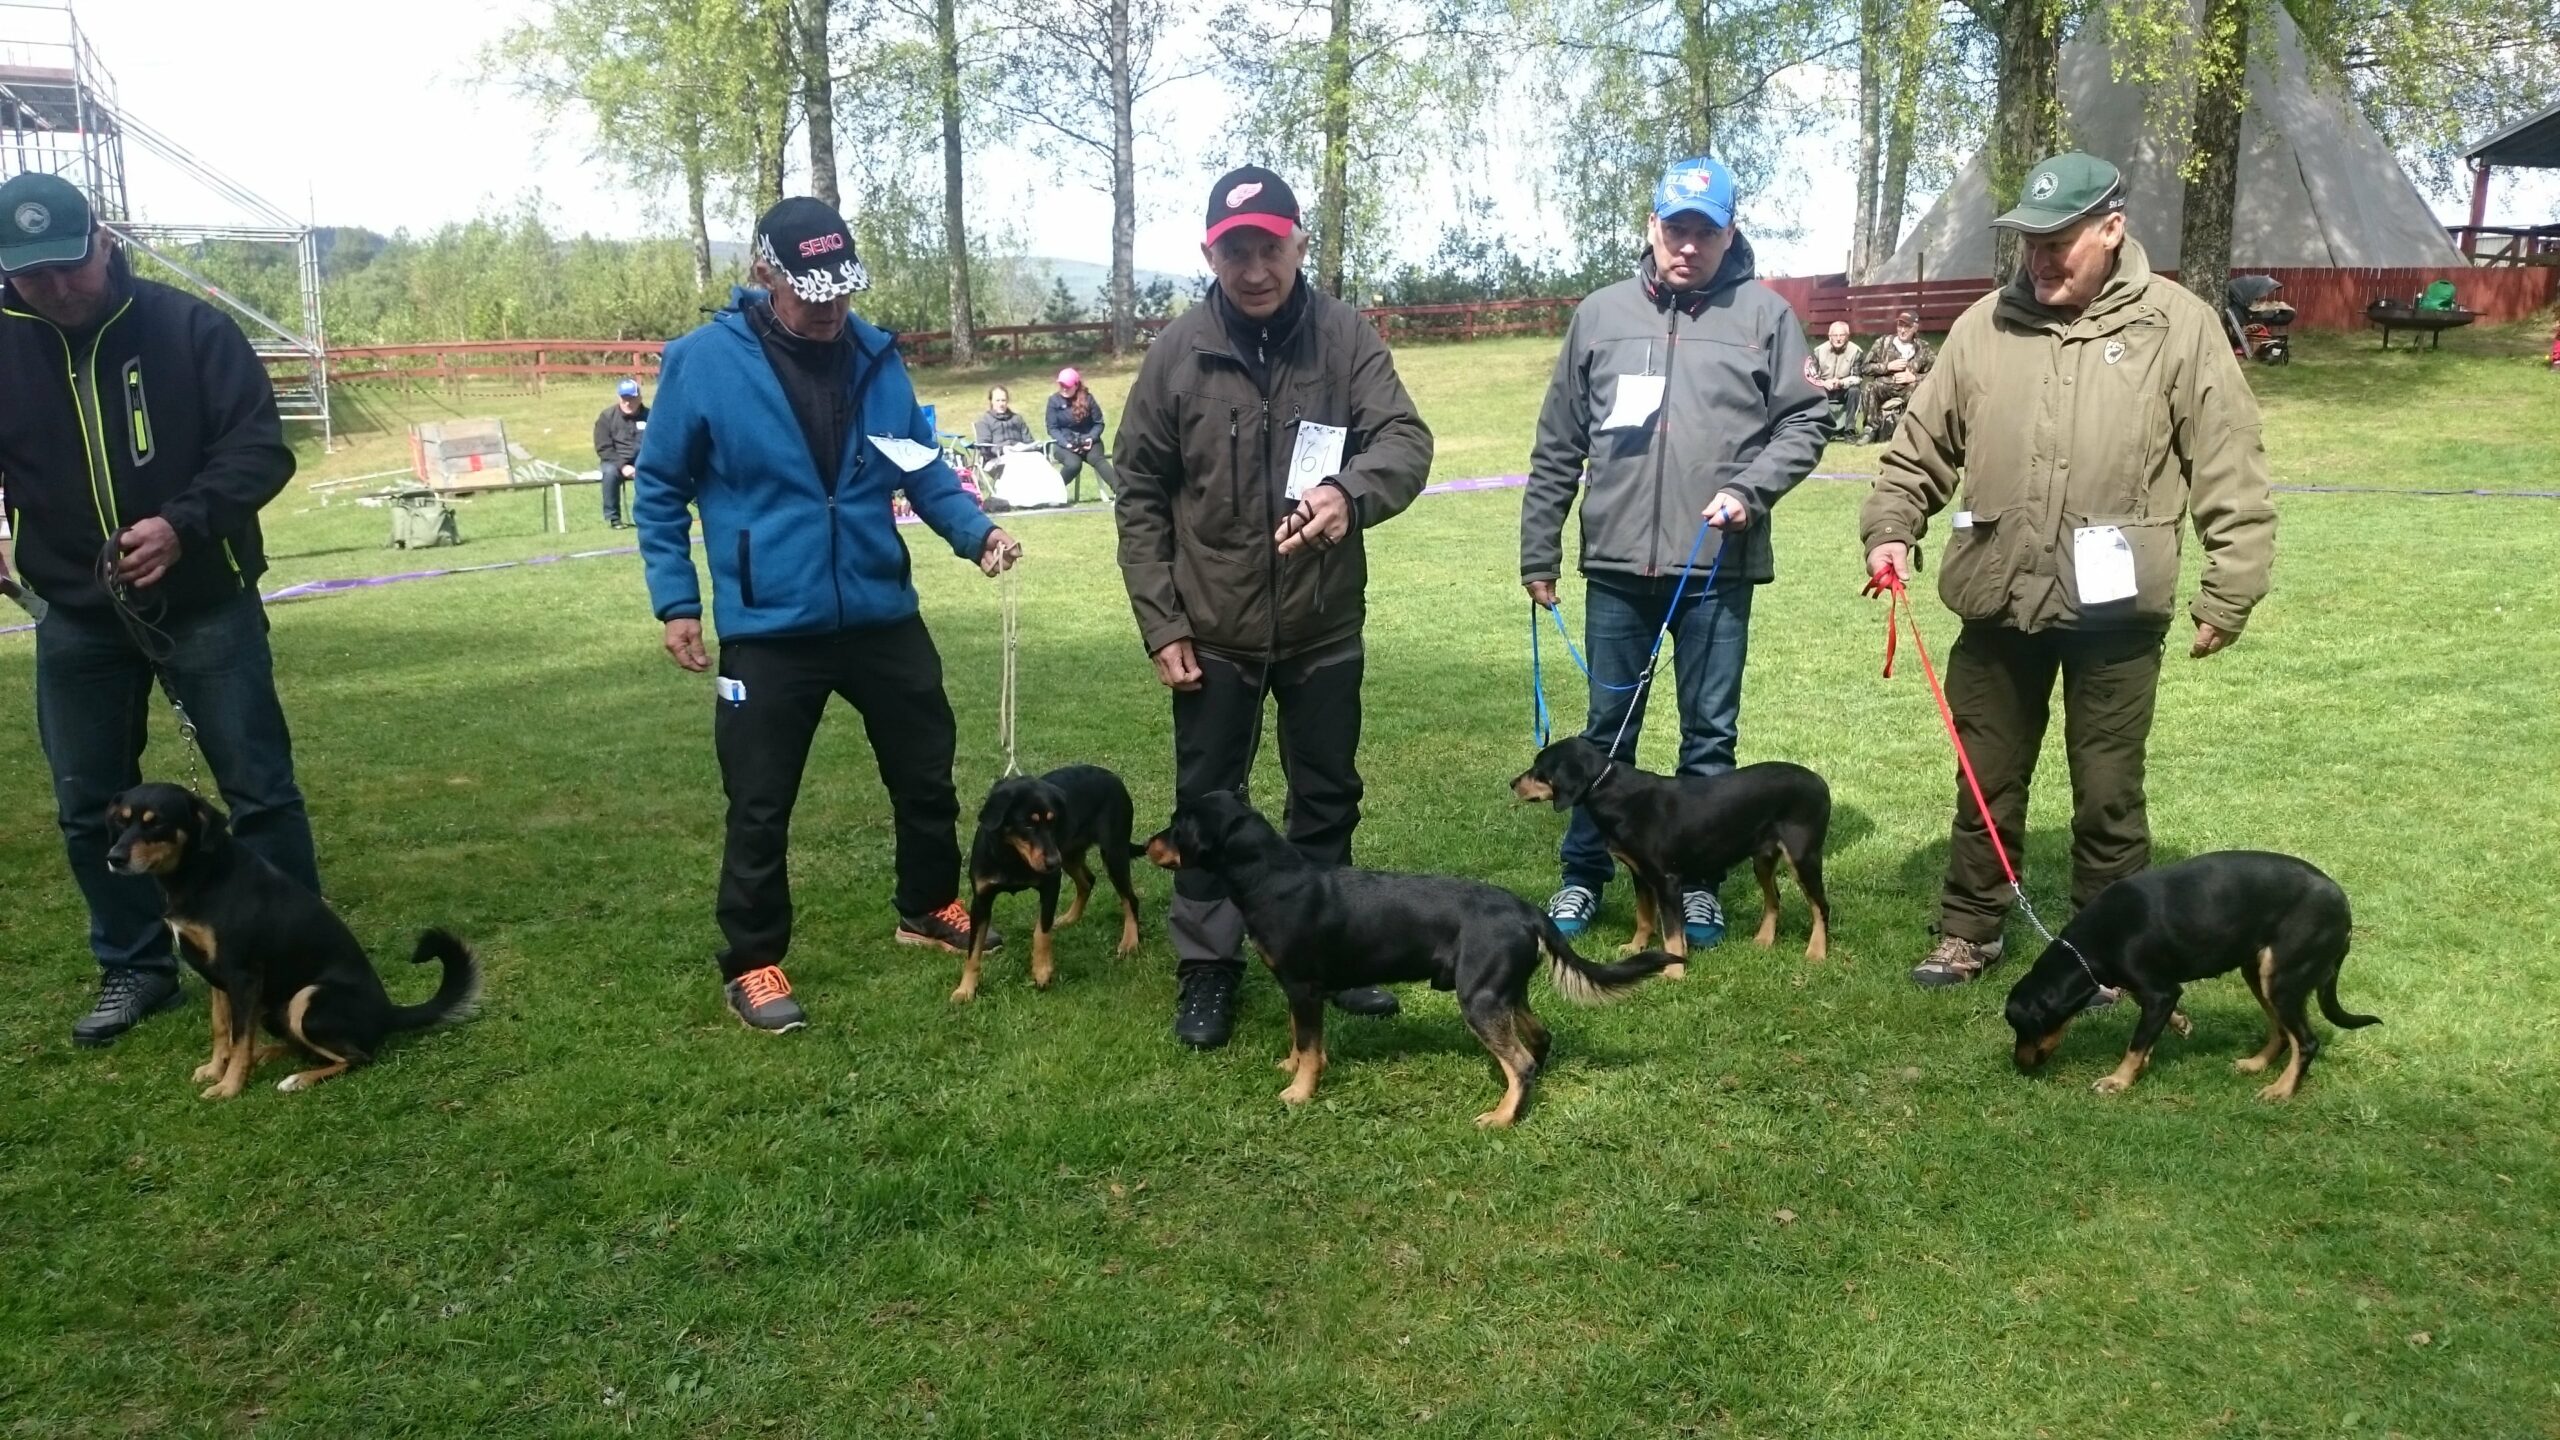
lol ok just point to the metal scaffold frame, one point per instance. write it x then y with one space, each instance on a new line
59 115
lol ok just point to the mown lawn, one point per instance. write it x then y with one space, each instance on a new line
1779 1199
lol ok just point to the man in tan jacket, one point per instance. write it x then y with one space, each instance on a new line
2075 417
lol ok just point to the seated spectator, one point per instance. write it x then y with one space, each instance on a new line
1075 428
1833 369
1002 426
1894 366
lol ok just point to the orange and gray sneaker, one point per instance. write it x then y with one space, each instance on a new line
762 1000
944 929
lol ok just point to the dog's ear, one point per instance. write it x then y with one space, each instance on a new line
210 826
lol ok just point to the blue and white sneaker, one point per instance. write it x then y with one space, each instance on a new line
1573 908
1704 919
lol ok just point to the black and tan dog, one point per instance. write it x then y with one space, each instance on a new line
273 952
1673 833
1327 928
1034 829
2277 920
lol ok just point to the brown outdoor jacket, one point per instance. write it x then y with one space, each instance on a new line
1203 458
2132 414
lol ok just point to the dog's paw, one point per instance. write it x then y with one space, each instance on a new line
291 1083
2250 1064
206 1071
224 1090
1493 1120
1295 1095
964 994
2179 1022
1285 1062
2112 1085
1676 970
2276 1093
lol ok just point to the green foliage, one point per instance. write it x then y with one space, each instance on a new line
1475 261
1061 306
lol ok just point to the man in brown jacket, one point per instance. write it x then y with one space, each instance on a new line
1266 433
2084 410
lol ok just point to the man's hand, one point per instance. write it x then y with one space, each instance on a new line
149 549
1178 667
626 472
1000 553
1727 512
684 645
2209 641
1542 591
1893 553
1322 518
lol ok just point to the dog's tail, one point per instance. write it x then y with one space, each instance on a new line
2340 1016
1585 983
456 997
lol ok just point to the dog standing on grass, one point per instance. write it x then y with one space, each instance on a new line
1031 831
273 952
1322 928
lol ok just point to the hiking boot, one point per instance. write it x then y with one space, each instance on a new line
126 998
1205 1014
1955 962
1368 1000
945 929
762 1001
1703 917
1573 908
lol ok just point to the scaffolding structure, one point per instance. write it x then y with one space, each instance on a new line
59 115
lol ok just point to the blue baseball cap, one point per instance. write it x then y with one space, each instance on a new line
1701 184
628 389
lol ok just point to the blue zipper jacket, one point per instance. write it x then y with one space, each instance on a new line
792 552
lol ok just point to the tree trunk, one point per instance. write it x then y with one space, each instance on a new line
1911 68
2213 154
1871 62
1333 208
1124 183
818 99
1697 119
697 214
955 224
2022 123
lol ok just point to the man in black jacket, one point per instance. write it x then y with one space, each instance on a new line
618 432
139 440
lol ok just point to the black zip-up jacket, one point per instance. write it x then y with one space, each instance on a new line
160 409
618 435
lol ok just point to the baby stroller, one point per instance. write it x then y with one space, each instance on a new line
2256 320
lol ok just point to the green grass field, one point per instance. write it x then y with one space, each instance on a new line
1779 1199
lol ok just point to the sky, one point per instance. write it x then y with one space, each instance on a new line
369 114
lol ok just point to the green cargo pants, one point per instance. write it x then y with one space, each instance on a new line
2000 685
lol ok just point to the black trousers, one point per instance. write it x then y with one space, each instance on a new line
892 676
1217 729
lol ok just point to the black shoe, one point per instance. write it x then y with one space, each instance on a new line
126 998
1367 1000
1205 1016
944 929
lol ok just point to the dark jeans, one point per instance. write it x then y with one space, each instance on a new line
1844 412
892 676
1217 729
1710 638
611 481
1071 465
2000 686
93 710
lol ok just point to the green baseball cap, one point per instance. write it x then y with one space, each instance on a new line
44 220
2063 191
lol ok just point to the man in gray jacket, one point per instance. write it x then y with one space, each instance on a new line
1680 396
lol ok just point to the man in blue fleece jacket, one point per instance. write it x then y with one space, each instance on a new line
790 424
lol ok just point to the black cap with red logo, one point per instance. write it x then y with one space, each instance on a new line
808 245
1251 196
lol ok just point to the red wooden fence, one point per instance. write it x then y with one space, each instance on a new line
2323 300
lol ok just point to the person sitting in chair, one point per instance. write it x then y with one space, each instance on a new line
1075 428
1833 368
1895 364
1001 427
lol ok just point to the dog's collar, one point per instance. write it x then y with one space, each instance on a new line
1606 771
2106 992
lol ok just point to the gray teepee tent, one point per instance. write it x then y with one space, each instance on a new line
2318 187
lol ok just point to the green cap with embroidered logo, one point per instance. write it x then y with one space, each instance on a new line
44 220
2063 191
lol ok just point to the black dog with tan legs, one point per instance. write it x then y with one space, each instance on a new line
1673 833
1031 831
1327 928
273 953
2277 920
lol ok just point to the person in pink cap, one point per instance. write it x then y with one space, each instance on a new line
1075 430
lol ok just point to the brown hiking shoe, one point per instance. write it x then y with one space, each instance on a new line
1955 962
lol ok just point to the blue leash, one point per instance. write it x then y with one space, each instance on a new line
1541 724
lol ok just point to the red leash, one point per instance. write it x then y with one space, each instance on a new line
1888 583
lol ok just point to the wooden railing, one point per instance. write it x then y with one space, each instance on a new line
2508 244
